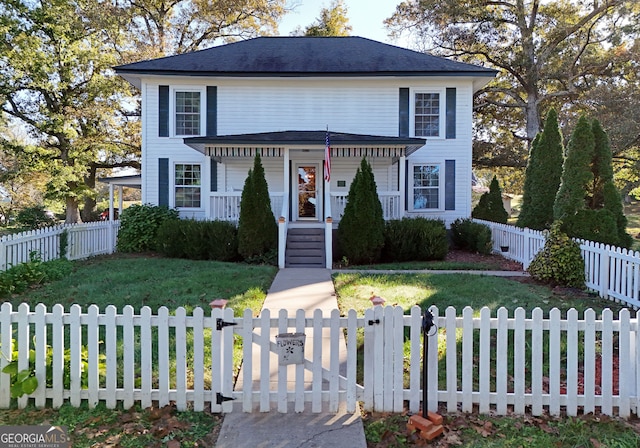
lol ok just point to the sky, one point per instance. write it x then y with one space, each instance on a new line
365 17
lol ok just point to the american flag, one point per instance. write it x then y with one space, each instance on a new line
327 159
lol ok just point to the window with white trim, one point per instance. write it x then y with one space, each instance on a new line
188 116
427 112
426 187
188 185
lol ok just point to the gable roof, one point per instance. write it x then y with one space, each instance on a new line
304 56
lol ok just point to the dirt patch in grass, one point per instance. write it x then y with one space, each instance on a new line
501 263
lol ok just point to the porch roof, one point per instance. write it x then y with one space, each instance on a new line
272 144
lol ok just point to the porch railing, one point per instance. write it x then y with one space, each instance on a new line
390 200
225 206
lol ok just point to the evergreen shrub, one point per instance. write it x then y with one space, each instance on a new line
415 239
361 229
490 207
139 226
33 218
257 228
471 236
560 261
592 225
542 178
198 240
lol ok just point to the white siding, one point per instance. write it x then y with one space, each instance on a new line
364 106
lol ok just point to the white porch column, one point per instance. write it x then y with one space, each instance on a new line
328 229
283 220
403 181
120 200
110 201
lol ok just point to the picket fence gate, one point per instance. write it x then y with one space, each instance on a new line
490 363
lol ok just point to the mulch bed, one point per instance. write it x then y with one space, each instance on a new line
501 263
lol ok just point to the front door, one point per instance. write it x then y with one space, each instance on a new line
309 199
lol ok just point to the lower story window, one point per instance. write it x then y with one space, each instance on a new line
188 185
426 187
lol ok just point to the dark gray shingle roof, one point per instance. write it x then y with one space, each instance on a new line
305 56
304 137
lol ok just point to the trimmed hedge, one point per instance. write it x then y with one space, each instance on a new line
415 239
472 236
198 240
139 226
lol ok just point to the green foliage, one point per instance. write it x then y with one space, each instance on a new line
198 240
542 180
34 217
70 99
471 236
576 172
139 226
361 229
592 206
415 239
257 228
24 382
601 167
613 204
560 261
592 225
490 207
18 278
64 243
333 21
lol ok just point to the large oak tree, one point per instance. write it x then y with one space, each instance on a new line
548 53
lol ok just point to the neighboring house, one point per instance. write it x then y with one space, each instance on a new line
207 113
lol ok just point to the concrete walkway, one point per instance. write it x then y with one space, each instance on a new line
306 289
293 289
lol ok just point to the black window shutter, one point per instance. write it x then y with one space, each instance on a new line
163 111
449 184
163 182
403 112
212 110
406 184
451 113
214 175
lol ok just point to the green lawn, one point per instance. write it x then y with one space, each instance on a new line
458 290
153 281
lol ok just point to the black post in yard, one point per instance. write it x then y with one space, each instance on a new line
427 324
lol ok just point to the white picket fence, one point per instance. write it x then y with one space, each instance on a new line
499 363
83 241
613 272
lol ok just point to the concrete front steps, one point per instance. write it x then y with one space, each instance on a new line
305 248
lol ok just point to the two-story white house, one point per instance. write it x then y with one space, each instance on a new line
207 113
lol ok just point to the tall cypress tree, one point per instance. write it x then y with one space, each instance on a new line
576 172
361 228
601 166
542 177
603 193
257 228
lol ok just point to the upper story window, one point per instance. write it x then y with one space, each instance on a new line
188 185
427 115
426 187
188 117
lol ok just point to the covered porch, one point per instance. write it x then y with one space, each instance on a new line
303 190
294 163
